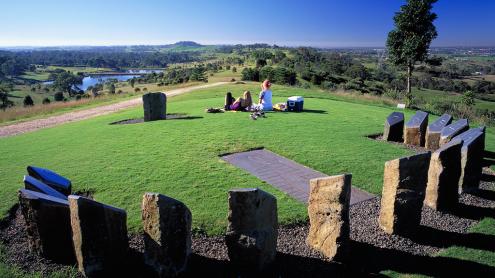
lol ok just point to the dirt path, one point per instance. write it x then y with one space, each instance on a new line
18 128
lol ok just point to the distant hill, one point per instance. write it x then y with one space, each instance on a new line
187 43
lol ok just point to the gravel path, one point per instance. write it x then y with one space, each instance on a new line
18 128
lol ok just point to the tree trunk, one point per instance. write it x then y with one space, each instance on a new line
408 92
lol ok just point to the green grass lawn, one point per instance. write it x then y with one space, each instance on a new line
180 158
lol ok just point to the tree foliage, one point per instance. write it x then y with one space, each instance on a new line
410 40
28 101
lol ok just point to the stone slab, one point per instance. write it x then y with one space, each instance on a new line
415 129
404 185
443 177
394 127
154 106
167 234
452 130
252 230
33 184
99 234
433 131
471 159
285 174
50 178
328 212
47 225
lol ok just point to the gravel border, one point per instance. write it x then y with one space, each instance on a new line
372 250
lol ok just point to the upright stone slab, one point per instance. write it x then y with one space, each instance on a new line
155 106
33 184
471 159
443 177
47 225
453 130
52 179
99 234
167 234
433 131
328 211
404 185
394 127
252 230
415 130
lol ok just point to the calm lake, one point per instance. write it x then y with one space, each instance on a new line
97 79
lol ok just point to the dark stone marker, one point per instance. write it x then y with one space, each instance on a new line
433 131
443 177
452 130
394 127
471 159
167 234
415 131
404 185
155 106
99 234
47 226
52 179
33 184
252 230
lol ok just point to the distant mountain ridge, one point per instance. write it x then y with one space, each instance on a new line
187 43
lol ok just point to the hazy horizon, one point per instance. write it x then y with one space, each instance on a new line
315 23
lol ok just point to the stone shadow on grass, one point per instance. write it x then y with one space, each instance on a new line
443 239
169 117
371 259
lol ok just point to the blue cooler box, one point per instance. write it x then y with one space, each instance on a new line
295 104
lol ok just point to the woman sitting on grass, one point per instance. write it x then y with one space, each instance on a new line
265 100
241 104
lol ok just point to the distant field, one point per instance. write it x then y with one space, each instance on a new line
441 96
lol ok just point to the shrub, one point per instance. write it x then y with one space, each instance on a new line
137 90
28 101
46 101
394 94
145 89
58 96
78 97
120 92
327 85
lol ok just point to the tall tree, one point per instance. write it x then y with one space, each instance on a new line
5 102
410 40
66 81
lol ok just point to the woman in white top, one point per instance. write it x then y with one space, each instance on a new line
265 101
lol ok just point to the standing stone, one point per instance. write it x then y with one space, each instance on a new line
404 185
155 106
328 212
433 131
33 184
99 234
394 127
443 177
471 159
52 179
415 130
252 229
453 130
47 225
167 234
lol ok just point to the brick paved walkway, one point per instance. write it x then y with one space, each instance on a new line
284 174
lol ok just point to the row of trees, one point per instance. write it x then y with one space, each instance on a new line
15 63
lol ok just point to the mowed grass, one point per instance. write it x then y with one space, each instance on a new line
180 158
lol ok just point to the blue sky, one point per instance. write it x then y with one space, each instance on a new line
323 23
